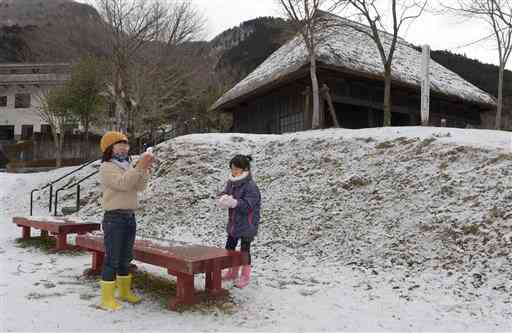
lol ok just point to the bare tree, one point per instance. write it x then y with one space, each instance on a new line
54 111
498 15
182 23
129 24
134 25
171 90
401 11
305 19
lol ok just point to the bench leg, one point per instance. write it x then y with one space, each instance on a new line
61 242
213 283
97 261
25 232
97 264
185 292
44 233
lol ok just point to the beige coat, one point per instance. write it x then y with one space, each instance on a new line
120 187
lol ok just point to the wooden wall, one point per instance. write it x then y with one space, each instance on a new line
358 103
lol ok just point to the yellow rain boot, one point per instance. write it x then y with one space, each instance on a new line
124 284
108 301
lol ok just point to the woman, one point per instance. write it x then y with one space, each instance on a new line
121 180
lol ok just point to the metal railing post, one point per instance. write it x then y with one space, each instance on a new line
31 200
56 202
51 197
77 197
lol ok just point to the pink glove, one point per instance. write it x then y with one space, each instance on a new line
232 202
227 201
222 202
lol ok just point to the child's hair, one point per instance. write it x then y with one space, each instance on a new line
241 161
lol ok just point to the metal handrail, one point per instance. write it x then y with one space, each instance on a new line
52 183
67 187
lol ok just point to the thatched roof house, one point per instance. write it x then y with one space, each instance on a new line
274 98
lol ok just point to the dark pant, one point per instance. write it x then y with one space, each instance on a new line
245 246
119 229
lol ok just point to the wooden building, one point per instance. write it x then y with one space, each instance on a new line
276 96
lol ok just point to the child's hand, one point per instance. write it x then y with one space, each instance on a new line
227 201
221 202
231 202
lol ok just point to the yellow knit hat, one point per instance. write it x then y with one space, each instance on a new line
110 138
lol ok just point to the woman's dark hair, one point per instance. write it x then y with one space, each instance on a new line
241 161
107 155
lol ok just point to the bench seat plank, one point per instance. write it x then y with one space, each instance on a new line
60 227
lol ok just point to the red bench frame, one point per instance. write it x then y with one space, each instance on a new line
59 227
182 261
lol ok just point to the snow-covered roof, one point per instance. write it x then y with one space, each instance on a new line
50 78
347 49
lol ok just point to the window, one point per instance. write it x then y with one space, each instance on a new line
3 101
360 91
292 122
46 129
290 118
27 131
378 94
341 88
22 101
7 132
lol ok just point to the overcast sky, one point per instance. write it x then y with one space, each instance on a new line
441 32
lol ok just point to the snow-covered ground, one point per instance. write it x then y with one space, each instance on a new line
396 229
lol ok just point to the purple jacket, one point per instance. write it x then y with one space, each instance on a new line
245 217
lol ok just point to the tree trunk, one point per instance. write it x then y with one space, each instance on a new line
316 98
118 99
119 114
499 107
129 118
86 144
387 95
58 149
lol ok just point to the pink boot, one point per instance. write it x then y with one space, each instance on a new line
245 278
231 274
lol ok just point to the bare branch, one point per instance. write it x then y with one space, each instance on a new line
498 15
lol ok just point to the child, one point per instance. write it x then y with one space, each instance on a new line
242 197
121 180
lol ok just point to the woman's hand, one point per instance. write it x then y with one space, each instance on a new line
146 160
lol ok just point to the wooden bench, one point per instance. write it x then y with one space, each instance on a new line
180 260
59 227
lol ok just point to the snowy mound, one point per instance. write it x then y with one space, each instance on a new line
425 204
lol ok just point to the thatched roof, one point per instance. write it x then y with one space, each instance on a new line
349 50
